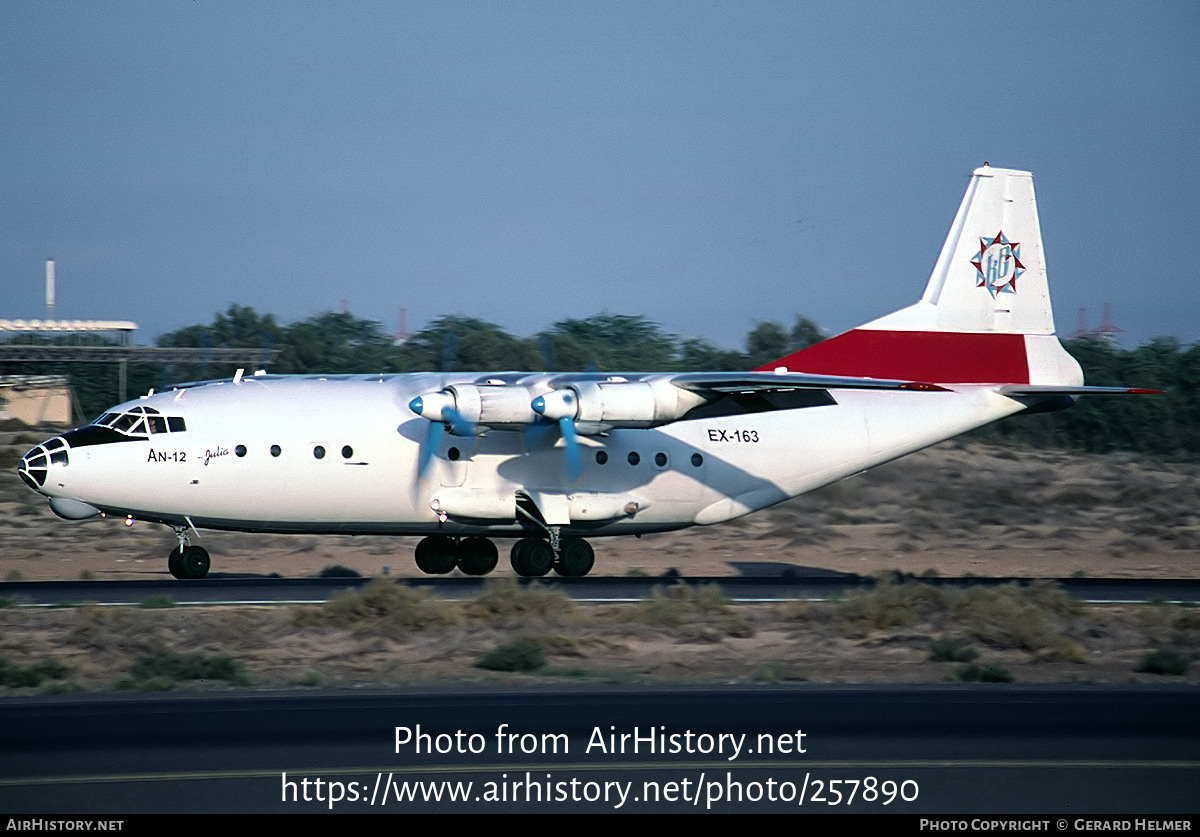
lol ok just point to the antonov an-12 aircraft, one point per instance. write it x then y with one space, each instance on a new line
549 459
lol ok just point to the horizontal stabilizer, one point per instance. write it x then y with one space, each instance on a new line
1017 391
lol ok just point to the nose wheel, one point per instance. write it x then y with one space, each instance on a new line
187 561
190 562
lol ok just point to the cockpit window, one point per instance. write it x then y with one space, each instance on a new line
141 421
124 423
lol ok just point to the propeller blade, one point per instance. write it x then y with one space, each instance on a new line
562 405
536 433
574 457
458 424
436 428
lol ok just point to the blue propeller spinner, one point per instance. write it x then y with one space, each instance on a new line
441 410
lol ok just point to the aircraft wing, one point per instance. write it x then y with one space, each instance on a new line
716 384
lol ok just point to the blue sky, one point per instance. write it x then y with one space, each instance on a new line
708 165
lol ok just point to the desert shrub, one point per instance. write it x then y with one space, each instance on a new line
311 678
889 606
123 628
691 612
1165 660
976 673
338 571
156 602
162 666
949 650
382 606
521 654
18 676
505 598
1030 618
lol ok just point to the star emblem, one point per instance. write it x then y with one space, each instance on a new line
998 264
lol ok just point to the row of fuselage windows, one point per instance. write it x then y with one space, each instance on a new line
634 458
318 451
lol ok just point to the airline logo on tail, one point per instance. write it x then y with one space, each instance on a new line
999 265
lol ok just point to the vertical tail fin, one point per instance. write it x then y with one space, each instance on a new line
985 316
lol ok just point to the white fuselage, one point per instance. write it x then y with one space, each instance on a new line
248 460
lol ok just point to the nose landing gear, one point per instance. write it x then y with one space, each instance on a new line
187 561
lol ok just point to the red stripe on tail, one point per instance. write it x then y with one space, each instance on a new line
943 357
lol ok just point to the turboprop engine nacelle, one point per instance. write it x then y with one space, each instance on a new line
598 406
471 409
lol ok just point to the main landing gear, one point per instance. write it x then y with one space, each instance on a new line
187 561
530 557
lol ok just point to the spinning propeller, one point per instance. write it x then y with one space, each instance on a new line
562 405
440 409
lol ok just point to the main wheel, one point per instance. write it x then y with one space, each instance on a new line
194 562
575 558
532 557
437 554
477 556
175 563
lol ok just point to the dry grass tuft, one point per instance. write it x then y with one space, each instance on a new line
1037 619
383 607
505 599
692 613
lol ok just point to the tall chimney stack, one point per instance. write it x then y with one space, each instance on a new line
50 289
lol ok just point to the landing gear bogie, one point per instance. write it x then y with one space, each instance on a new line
530 557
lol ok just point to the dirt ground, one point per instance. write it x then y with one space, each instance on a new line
955 510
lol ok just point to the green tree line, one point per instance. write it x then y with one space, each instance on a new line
339 343
332 343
